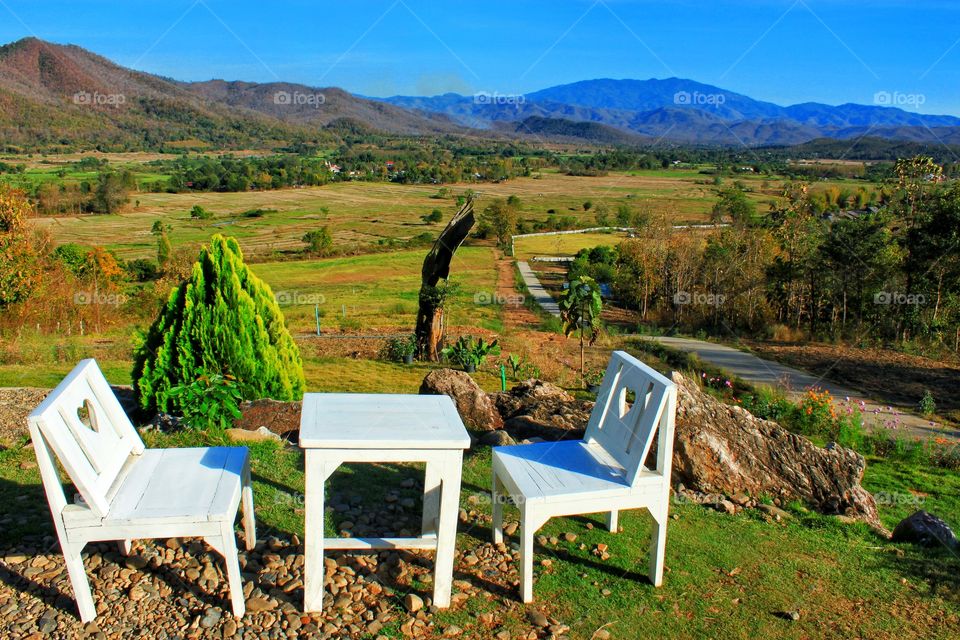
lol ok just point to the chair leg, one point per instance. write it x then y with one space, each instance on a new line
658 546
497 505
78 579
226 544
249 520
529 523
125 547
612 521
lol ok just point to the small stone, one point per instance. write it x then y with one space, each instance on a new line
210 618
257 604
793 615
510 529
605 592
451 631
601 634
570 537
537 619
413 602
229 628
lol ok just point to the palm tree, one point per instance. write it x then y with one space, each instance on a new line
580 307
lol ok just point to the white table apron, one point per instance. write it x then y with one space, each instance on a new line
435 435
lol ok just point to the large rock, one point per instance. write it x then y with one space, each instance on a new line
537 408
725 449
926 529
475 407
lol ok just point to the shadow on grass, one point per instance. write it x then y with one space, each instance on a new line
937 568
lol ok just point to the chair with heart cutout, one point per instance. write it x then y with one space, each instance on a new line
603 473
128 492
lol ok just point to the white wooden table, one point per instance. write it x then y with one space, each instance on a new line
336 428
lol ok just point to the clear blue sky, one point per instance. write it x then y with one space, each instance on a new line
784 51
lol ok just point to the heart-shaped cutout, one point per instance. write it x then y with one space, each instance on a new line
625 400
88 416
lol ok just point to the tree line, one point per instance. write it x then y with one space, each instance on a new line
890 274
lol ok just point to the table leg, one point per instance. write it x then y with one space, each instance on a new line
447 533
431 498
315 470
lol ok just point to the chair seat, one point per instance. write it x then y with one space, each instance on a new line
548 470
171 485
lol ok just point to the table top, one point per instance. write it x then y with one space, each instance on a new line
380 421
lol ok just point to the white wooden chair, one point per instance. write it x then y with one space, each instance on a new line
605 472
128 492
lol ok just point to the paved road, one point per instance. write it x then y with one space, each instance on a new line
758 371
795 382
537 291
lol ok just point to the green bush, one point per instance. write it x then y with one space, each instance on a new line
397 348
221 320
209 402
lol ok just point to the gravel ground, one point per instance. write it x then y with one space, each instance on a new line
177 589
16 403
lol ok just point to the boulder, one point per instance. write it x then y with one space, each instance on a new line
475 407
537 408
498 438
725 449
925 529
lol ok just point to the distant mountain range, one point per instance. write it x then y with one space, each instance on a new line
55 95
680 110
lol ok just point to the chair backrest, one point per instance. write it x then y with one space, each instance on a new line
633 401
84 424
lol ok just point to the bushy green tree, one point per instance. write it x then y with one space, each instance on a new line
199 213
319 241
221 320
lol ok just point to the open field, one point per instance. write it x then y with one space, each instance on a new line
565 244
367 213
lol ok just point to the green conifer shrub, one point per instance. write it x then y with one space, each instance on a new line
222 320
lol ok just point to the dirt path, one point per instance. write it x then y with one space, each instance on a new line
795 382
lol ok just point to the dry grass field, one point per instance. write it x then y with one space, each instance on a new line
362 213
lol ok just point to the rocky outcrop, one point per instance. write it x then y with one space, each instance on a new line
476 409
541 409
724 449
925 529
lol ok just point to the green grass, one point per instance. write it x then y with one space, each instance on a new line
728 576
